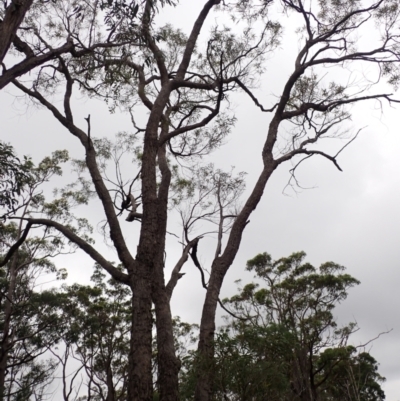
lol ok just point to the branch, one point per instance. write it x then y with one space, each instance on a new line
373 339
88 130
16 246
310 153
13 17
244 319
30 63
142 78
176 275
82 244
201 123
23 47
336 29
157 53
193 255
317 152
329 106
247 90
91 163
191 43
292 172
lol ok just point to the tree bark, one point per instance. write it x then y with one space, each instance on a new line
168 364
110 383
5 343
13 17
140 383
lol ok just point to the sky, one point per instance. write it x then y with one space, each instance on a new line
350 217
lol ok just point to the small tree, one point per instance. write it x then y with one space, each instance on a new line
97 331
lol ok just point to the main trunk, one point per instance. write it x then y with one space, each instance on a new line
7 309
150 259
140 383
168 364
206 341
13 18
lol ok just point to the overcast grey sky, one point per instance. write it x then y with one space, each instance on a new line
350 217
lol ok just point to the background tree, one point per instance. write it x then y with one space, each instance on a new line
97 327
284 343
30 318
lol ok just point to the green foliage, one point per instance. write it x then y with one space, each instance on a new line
14 175
286 346
29 321
97 329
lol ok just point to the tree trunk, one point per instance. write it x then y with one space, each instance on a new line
168 363
110 383
219 268
140 383
151 249
13 17
8 302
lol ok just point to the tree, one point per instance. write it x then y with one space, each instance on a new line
353 376
30 320
117 51
28 55
284 344
97 327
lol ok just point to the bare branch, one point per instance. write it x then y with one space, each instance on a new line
253 98
104 195
176 274
82 244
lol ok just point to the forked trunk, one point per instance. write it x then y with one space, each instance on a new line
168 363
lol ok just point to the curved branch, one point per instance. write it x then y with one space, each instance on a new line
310 153
253 98
329 106
200 124
91 163
16 246
82 244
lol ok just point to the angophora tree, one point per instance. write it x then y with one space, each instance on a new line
120 53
